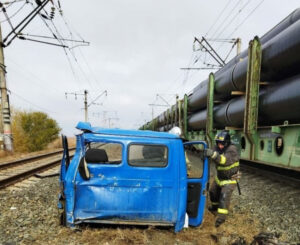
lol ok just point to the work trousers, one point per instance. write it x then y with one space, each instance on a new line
220 198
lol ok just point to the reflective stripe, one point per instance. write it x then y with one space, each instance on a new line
236 164
219 138
222 211
223 159
224 182
214 203
215 154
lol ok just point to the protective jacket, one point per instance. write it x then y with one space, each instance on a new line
227 162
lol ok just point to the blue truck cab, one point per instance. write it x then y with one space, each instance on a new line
133 177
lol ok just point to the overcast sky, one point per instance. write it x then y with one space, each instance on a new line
136 50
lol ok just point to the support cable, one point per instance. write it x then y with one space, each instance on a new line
244 20
218 18
233 18
30 17
8 18
224 21
22 98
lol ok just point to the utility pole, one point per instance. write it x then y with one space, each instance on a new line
7 135
85 106
109 121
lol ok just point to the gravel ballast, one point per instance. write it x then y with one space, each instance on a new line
29 215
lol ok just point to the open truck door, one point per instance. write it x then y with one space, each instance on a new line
65 162
197 169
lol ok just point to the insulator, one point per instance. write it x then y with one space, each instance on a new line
52 13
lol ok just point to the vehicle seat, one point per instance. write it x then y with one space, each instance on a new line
96 156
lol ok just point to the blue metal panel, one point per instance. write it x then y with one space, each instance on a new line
123 192
121 132
129 193
69 181
182 186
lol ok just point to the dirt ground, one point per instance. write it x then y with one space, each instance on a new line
237 226
40 201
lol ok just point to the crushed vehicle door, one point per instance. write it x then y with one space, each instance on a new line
197 168
65 162
128 182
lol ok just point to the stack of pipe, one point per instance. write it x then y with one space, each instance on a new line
279 66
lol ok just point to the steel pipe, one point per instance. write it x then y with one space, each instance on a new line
280 59
277 103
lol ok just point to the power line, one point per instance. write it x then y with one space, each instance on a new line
91 71
33 77
8 18
243 21
22 25
257 6
72 53
211 27
22 98
243 7
218 18
224 21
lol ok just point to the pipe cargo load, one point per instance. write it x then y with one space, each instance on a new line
277 103
280 59
262 116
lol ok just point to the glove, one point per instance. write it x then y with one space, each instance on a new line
208 152
211 153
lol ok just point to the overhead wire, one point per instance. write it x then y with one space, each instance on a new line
8 18
33 77
218 18
233 18
72 53
62 43
257 6
90 69
74 56
31 103
224 20
24 23
243 21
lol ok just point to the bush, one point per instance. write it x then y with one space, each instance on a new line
33 131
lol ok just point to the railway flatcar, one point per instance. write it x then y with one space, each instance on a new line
255 96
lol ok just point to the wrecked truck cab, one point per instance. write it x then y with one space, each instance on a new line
133 177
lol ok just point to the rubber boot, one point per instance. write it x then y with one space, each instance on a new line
213 209
219 221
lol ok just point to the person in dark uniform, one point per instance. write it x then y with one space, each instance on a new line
226 157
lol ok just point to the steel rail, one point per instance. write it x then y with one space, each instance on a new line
287 176
29 171
9 164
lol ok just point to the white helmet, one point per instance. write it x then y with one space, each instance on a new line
176 130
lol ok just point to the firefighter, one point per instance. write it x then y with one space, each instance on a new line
225 156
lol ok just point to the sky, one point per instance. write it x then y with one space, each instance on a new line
136 51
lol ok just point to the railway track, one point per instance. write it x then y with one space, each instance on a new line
285 176
271 196
15 171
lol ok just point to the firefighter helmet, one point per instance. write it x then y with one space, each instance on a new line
223 138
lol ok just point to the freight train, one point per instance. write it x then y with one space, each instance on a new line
256 96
